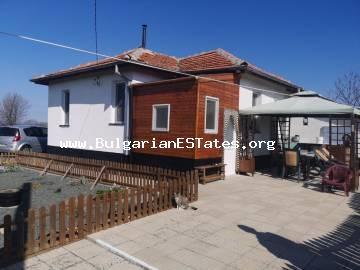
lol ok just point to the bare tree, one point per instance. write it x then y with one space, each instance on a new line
13 109
347 89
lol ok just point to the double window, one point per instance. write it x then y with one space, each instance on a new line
66 107
211 115
161 117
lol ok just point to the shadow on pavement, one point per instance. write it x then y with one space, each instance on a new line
338 249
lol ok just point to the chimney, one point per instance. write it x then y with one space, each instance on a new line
143 40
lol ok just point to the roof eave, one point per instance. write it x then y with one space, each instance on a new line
271 78
45 80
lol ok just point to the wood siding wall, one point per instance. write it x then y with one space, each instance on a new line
181 95
187 101
228 99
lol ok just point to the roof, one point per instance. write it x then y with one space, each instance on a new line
302 104
202 62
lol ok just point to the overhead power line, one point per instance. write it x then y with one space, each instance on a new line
130 61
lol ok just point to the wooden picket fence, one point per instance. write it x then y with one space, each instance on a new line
74 219
7 158
121 173
147 190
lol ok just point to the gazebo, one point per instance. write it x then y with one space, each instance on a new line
344 120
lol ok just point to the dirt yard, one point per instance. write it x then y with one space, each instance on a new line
45 190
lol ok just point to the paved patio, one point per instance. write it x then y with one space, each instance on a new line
241 223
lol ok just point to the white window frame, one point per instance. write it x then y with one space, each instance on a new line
65 121
215 129
154 128
113 101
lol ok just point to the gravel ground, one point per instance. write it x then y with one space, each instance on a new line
46 190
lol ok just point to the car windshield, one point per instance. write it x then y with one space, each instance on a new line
8 132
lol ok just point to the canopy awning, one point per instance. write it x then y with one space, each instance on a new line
302 104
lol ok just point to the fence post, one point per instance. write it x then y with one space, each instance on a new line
126 206
196 176
138 203
105 210
97 213
30 231
119 212
52 225
80 218
20 233
42 223
89 214
62 223
7 237
71 219
132 204
112 208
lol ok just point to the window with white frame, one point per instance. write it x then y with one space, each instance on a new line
211 115
65 107
161 117
119 103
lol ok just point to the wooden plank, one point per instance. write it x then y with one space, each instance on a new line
80 218
191 187
97 213
7 237
30 245
112 208
46 167
52 225
42 225
71 219
67 171
170 191
98 177
155 199
62 228
89 214
132 204
119 212
161 196
145 201
150 200
126 206
105 210
196 185
138 202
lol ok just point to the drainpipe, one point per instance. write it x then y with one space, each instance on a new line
128 109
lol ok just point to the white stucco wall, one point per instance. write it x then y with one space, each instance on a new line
250 84
317 127
91 111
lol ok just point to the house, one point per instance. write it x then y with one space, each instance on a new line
142 95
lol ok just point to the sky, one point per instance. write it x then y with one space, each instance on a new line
310 43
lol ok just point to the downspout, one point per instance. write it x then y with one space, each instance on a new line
128 109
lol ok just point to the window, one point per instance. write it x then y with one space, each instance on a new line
161 117
35 132
44 132
66 107
256 100
119 103
8 132
211 115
